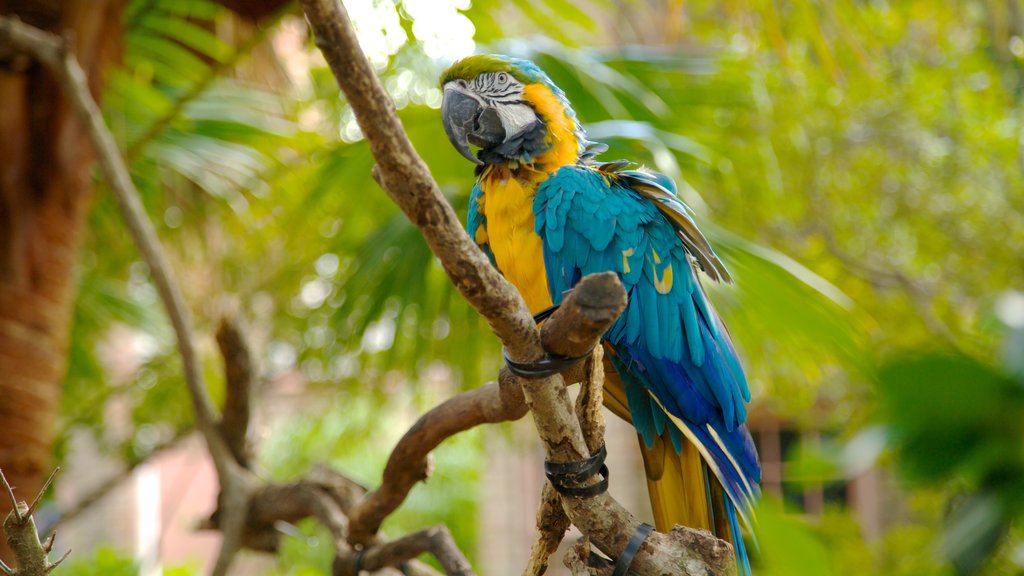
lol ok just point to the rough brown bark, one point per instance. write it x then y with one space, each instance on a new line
240 383
45 192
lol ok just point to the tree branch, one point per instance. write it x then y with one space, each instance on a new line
581 562
437 540
240 378
22 536
552 522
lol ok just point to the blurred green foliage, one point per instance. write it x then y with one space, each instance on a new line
953 418
955 428
857 165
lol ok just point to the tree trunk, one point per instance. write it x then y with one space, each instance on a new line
46 189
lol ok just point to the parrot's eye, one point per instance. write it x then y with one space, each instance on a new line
502 78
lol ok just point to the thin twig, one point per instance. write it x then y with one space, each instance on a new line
48 543
58 562
10 494
240 373
236 494
39 496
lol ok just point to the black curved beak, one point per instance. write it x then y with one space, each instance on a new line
468 121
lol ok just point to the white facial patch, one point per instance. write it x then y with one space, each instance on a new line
515 118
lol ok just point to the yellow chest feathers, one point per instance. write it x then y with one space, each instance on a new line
507 205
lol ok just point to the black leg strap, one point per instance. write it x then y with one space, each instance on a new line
545 313
632 547
548 365
565 477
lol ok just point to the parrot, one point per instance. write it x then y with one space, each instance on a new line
546 213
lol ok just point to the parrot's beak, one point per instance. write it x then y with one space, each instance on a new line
468 121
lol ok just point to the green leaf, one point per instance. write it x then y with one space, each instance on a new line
950 413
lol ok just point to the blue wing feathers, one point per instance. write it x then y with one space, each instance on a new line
669 342
742 558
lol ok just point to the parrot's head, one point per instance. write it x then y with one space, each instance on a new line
510 110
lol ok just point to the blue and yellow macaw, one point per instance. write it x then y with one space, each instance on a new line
547 214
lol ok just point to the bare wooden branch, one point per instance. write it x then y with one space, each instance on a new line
582 562
576 327
495 402
236 491
551 519
437 540
552 522
324 494
240 374
22 536
590 402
